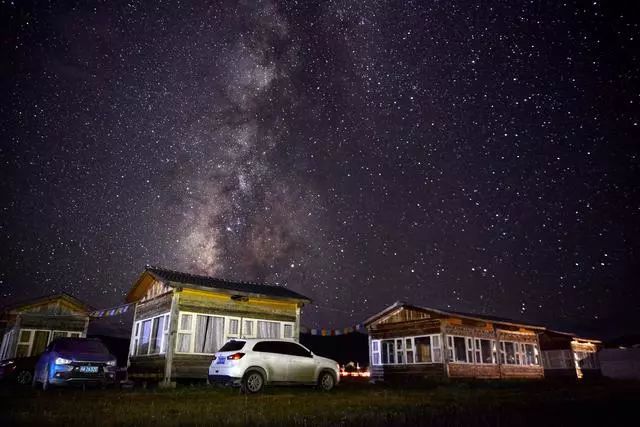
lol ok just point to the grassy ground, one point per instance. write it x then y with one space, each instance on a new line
461 404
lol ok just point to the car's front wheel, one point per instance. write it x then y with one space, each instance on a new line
326 382
253 382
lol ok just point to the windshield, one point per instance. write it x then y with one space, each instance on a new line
81 346
233 346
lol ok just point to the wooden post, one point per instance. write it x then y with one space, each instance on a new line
171 345
296 332
16 337
132 339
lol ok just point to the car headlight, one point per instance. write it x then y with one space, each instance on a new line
7 363
62 361
111 363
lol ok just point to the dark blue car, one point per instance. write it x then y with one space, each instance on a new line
68 361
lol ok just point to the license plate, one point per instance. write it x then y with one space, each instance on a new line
220 361
89 369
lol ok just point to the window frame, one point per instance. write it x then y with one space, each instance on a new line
407 346
163 335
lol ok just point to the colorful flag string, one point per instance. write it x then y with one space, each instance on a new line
331 332
115 311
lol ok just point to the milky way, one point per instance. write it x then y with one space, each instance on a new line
479 157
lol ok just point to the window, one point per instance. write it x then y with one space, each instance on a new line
267 329
388 353
586 360
294 349
248 329
268 347
557 359
399 351
408 343
185 331
200 333
288 330
233 346
208 334
150 336
406 350
458 351
375 352
519 353
24 343
484 351
509 352
234 328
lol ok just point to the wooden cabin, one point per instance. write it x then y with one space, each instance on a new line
566 355
28 327
408 343
181 320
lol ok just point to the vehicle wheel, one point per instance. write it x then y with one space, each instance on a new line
252 382
326 381
24 377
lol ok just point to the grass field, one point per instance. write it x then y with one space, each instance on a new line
461 404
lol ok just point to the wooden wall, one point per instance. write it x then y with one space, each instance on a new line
62 323
468 370
206 302
154 306
407 373
405 329
146 367
194 366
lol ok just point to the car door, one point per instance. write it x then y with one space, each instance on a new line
272 359
300 367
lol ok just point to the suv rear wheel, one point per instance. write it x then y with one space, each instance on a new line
252 382
326 382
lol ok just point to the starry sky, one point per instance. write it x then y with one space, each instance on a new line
481 157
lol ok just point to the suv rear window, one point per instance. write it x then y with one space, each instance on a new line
233 346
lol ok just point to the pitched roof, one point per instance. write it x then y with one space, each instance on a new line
46 298
258 289
480 317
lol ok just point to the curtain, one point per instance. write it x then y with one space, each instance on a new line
209 333
268 329
145 336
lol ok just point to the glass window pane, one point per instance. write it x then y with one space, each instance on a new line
288 331
145 337
248 328
268 329
486 353
209 333
156 335
510 353
25 336
185 322
234 325
459 349
184 343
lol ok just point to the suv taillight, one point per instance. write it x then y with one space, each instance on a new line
235 356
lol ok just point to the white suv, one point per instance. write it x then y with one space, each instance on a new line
252 363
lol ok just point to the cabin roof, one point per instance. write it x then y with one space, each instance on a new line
471 316
46 298
572 336
173 277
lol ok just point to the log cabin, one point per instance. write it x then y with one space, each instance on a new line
409 343
181 320
567 355
28 327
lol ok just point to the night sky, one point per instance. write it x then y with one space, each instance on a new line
482 158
